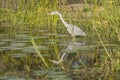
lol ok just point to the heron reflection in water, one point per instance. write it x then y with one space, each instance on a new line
58 62
70 49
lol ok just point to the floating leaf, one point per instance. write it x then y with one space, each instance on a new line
20 41
48 42
2 49
23 36
27 37
108 45
17 55
54 74
7 40
42 37
3 43
86 48
58 35
17 44
3 77
31 31
58 76
24 32
74 48
40 72
2 35
17 79
31 49
44 55
12 48
40 30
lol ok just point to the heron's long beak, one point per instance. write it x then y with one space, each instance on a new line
49 14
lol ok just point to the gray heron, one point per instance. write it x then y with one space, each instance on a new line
72 29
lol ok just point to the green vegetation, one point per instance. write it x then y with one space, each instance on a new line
26 57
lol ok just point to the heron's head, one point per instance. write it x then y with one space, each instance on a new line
54 12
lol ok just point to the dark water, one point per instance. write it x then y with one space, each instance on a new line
19 61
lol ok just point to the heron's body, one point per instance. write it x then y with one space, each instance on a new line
75 31
72 29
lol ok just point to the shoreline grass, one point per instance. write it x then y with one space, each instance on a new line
33 15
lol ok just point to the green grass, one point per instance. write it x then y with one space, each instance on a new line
100 20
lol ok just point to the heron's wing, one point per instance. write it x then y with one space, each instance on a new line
77 31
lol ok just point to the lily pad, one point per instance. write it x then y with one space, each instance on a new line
7 40
2 49
3 77
12 48
40 72
58 35
24 32
3 43
85 48
17 55
44 55
31 49
17 44
75 47
42 31
48 42
54 74
21 41
27 37
2 35
17 79
23 36
42 37
109 45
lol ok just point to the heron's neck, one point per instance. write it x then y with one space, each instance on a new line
62 20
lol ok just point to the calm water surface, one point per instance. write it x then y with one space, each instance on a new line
19 61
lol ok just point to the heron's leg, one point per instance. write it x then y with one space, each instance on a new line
74 38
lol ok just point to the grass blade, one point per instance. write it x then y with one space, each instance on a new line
38 52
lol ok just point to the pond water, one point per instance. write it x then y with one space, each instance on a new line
19 60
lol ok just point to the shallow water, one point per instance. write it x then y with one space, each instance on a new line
19 60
